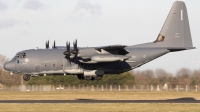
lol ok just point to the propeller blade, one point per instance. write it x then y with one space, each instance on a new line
75 50
66 52
47 44
54 44
75 44
68 48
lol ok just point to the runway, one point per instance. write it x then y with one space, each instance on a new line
180 100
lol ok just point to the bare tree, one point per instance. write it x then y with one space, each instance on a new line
5 77
195 77
184 76
3 59
163 76
184 73
145 77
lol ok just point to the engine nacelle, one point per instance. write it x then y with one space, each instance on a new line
100 58
93 74
108 58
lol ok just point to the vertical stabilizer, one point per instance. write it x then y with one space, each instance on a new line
175 32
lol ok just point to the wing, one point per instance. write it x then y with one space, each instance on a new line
113 49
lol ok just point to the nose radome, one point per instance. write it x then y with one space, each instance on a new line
9 66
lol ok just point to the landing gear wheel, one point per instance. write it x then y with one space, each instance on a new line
88 77
26 77
80 77
98 77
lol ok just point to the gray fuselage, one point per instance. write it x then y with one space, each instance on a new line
52 61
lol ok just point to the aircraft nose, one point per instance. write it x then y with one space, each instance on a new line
9 66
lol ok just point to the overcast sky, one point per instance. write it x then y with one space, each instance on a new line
27 24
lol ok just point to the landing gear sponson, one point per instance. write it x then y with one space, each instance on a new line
27 77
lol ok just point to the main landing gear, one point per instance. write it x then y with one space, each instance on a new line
26 77
81 77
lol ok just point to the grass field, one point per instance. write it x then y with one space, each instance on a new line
153 107
99 107
61 95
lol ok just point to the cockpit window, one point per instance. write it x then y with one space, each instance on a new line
19 55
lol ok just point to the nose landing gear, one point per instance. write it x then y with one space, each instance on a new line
26 77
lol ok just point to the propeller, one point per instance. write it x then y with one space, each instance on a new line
73 52
54 45
47 44
68 53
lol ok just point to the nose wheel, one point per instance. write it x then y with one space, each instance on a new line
26 77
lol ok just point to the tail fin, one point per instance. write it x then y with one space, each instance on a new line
175 32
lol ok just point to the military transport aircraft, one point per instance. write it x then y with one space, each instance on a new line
91 63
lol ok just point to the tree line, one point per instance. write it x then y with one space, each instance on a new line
183 76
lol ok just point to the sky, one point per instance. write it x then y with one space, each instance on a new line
27 24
